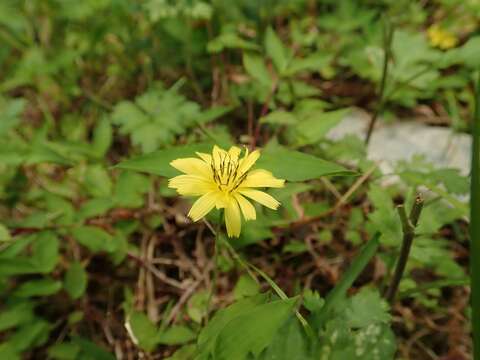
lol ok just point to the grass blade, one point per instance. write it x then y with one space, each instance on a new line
355 269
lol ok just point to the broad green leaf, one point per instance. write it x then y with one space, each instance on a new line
158 163
209 334
290 342
15 315
175 335
143 331
95 207
33 334
252 332
42 287
186 352
20 265
45 252
91 350
94 238
102 137
8 352
75 282
245 287
64 351
293 165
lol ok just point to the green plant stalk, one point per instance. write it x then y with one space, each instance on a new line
281 294
475 225
387 48
216 250
408 226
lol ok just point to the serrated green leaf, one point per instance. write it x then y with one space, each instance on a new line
276 50
256 68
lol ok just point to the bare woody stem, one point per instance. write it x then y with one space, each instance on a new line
408 225
387 48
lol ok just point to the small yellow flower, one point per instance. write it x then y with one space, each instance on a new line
224 180
441 38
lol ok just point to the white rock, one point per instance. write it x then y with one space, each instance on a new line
390 143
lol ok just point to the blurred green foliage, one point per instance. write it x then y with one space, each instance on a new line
87 84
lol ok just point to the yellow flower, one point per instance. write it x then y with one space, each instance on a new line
224 180
441 38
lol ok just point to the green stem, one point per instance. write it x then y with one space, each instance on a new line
475 225
408 225
249 267
213 287
387 48
281 294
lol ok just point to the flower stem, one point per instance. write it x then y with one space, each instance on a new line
408 226
213 286
281 294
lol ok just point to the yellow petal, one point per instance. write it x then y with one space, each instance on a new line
205 157
203 205
247 162
218 155
262 178
191 185
193 166
234 152
261 197
248 210
233 221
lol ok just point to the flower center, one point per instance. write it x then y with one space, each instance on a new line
226 173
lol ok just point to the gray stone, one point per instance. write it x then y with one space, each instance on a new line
402 140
